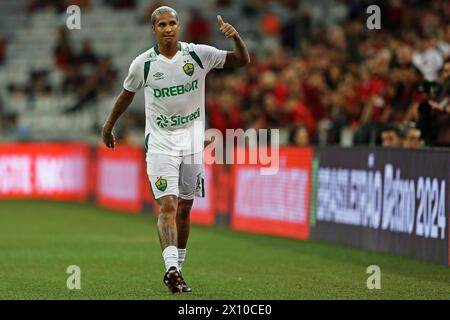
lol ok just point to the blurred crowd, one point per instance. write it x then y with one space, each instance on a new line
321 75
85 75
387 87
61 5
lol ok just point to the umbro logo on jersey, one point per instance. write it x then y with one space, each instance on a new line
158 76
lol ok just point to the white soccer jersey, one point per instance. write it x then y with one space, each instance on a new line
174 96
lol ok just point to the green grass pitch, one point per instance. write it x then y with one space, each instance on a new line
120 258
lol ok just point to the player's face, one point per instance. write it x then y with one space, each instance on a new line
166 28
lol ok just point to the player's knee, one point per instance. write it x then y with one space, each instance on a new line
167 206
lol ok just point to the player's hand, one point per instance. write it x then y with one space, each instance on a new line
227 29
108 138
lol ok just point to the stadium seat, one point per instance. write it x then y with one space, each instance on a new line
16 104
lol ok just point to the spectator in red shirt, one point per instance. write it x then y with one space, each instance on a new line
312 88
62 53
2 50
224 113
198 28
297 113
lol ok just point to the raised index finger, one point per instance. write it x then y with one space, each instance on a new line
220 20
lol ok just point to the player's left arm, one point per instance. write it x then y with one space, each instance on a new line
239 57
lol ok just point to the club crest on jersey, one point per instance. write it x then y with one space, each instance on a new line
188 68
161 184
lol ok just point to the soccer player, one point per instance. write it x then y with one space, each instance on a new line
172 74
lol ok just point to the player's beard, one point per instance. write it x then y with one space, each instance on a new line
168 41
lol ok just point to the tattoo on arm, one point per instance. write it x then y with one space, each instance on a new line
240 56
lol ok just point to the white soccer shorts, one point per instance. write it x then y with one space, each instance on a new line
182 176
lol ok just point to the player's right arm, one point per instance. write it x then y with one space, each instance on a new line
133 82
123 101
240 56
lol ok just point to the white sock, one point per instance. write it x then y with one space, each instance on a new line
181 257
170 256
